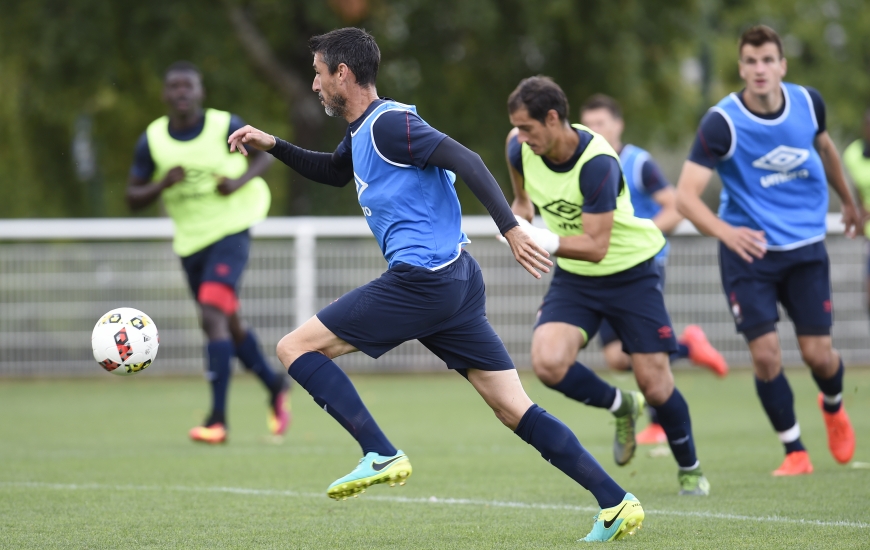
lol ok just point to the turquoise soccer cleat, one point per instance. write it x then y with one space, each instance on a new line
371 470
615 523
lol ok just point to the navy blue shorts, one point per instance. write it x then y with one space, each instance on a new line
799 279
445 310
631 301
221 262
605 331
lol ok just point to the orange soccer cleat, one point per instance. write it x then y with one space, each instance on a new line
701 352
280 416
653 434
213 434
841 436
795 464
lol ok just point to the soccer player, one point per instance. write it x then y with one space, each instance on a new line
856 157
606 270
769 144
213 198
433 290
654 198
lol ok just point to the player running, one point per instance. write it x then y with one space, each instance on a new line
605 270
652 197
433 290
213 197
856 157
769 144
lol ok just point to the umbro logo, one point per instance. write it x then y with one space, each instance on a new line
564 209
782 159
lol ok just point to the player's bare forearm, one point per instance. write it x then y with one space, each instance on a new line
668 217
837 179
745 242
693 180
141 193
591 245
258 163
522 205
833 167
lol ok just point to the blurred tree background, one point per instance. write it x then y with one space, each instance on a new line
81 79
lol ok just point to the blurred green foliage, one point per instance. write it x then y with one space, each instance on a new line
457 60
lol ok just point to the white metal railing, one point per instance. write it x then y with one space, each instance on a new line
57 276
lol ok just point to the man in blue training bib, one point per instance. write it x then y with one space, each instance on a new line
770 146
653 198
433 291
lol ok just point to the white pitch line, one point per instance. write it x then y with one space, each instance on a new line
430 500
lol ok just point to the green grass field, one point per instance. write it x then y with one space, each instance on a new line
105 463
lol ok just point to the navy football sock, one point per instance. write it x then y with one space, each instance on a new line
778 402
674 418
560 447
681 353
832 389
248 351
582 384
333 391
219 354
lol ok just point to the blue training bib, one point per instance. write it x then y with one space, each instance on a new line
414 213
773 178
632 159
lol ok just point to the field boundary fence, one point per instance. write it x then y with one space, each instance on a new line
57 276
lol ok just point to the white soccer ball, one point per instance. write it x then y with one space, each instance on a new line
125 341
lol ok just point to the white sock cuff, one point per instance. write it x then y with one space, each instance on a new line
697 464
791 434
617 401
832 399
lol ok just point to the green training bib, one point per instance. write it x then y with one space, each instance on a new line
558 198
858 167
201 215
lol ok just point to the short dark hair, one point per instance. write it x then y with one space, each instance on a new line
182 67
601 101
352 46
538 95
758 36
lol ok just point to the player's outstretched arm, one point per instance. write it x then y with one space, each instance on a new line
451 155
747 243
248 136
834 172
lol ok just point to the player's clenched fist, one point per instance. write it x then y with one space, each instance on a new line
248 135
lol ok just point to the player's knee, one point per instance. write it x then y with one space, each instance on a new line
817 357
656 391
288 349
550 368
767 363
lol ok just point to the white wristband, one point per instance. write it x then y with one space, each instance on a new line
544 238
